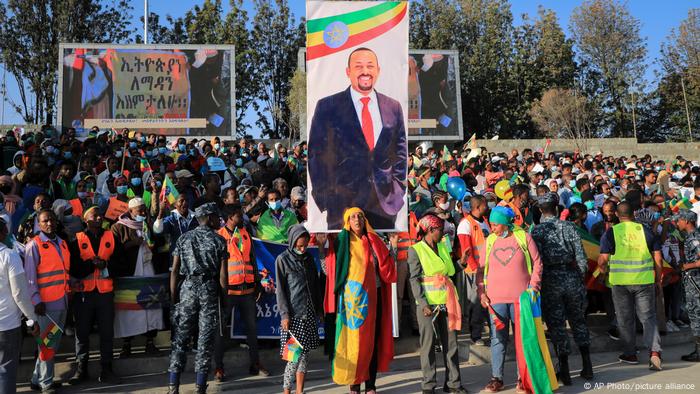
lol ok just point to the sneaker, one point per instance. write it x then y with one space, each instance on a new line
655 361
258 370
671 327
614 334
628 359
680 324
219 375
495 385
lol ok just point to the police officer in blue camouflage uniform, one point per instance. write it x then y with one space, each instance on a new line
198 275
564 263
686 221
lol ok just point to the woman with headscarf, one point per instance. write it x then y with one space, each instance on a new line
299 301
363 273
8 188
438 309
514 267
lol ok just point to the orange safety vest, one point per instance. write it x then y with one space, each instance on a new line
95 279
239 267
477 234
77 206
52 271
407 238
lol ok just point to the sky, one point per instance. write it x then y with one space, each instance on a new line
657 18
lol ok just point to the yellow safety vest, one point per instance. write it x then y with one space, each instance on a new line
632 263
436 271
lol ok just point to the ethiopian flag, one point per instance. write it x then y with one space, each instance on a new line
592 248
47 341
168 191
539 376
141 292
331 34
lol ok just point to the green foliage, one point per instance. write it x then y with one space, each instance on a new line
31 30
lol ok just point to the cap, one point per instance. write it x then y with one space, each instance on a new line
298 193
686 215
548 198
136 202
206 210
183 174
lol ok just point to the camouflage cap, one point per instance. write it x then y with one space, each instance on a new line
206 210
686 215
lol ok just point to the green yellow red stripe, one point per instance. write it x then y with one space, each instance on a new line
362 26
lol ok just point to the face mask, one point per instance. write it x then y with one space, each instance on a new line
68 154
239 162
589 205
657 215
555 168
572 183
159 184
50 150
657 168
444 206
298 252
143 140
431 180
217 146
491 204
306 152
82 194
613 181
136 181
192 152
132 145
118 153
140 218
154 152
276 205
122 189
241 198
504 234
163 150
181 147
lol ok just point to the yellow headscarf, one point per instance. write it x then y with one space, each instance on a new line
346 219
92 208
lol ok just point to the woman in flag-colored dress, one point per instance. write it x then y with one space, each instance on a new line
299 302
364 271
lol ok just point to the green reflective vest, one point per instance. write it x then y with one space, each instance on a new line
268 230
521 237
435 265
632 263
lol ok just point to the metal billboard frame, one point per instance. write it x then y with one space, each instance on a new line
64 46
301 64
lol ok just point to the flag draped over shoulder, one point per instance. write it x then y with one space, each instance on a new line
356 292
539 376
592 248
141 292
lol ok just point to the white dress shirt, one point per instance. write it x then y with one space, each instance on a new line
373 111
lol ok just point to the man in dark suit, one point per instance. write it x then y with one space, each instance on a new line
358 149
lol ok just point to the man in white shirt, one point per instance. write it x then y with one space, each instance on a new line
14 302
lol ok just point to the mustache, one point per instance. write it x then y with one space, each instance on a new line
365 75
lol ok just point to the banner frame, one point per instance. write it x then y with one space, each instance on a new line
63 46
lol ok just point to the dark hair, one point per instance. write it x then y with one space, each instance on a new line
625 210
577 210
231 210
520 189
361 49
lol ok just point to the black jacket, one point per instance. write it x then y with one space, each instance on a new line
297 280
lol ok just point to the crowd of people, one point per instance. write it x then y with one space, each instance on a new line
588 232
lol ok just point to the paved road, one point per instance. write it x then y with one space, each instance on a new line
611 377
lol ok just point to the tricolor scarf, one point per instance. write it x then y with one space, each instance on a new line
355 290
535 363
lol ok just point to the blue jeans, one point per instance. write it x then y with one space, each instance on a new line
9 359
639 300
499 338
43 370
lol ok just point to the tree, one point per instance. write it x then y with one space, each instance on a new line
277 37
607 37
31 30
679 79
562 113
296 102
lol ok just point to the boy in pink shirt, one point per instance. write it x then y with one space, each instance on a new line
507 276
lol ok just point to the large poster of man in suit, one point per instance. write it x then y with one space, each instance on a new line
357 112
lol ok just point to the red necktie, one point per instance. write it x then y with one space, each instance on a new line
367 125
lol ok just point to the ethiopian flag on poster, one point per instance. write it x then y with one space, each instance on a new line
331 34
141 292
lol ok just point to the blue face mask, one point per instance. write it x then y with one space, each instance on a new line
143 140
159 184
68 154
132 145
155 152
192 152
163 150
217 146
431 180
122 189
136 181
118 153
181 147
239 162
241 198
140 218
275 205
656 215
572 183
589 205
306 152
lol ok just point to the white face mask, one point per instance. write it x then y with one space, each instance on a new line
444 206
491 204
